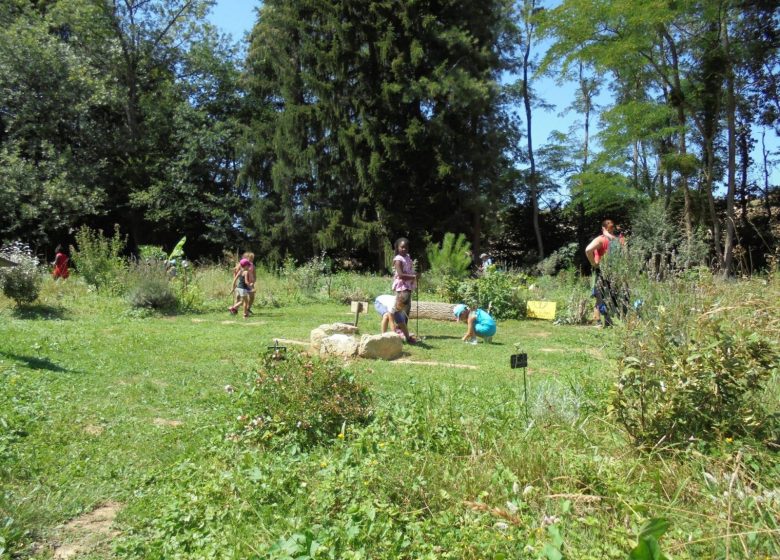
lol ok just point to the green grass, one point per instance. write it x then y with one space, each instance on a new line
100 404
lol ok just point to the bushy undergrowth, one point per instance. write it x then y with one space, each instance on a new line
21 283
148 286
559 260
98 259
505 293
300 400
699 368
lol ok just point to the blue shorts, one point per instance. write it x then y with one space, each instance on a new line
485 330
398 316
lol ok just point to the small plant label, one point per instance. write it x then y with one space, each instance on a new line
519 361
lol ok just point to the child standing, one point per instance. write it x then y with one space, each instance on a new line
242 287
60 263
478 323
251 277
404 283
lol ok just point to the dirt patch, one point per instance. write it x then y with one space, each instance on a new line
291 342
198 320
540 334
549 350
166 422
595 352
442 364
87 533
93 429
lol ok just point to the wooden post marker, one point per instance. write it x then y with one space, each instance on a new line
357 307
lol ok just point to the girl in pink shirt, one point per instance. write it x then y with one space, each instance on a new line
404 282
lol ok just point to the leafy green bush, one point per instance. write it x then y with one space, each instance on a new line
304 281
21 283
149 287
189 296
701 377
98 259
561 259
152 253
447 261
301 400
504 292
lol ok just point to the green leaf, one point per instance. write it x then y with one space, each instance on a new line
655 528
647 549
551 553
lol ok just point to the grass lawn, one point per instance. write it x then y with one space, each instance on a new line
103 410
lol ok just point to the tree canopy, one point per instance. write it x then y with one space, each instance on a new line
344 124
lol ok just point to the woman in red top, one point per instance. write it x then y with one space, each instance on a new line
60 264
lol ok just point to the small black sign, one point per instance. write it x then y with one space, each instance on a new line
519 360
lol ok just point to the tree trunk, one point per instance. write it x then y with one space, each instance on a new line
432 310
767 186
708 170
731 125
533 182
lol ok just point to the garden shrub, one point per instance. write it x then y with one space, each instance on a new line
559 260
702 377
152 253
504 292
98 259
149 287
301 400
189 296
21 283
304 280
450 260
344 287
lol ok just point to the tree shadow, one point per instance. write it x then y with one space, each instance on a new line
40 311
36 363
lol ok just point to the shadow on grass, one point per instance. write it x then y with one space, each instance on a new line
36 363
40 311
440 337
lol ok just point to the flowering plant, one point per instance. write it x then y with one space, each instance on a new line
21 282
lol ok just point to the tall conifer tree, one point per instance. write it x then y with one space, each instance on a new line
372 120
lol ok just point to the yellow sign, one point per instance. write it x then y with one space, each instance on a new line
541 309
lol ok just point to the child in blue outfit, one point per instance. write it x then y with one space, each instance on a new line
478 323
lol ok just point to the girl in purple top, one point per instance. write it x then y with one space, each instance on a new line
404 282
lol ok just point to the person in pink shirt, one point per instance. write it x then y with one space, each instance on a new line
404 283
595 252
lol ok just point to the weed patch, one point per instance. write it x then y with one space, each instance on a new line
297 399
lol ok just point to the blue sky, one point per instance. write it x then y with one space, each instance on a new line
236 17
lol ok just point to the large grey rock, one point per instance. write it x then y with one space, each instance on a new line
317 335
339 345
386 346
